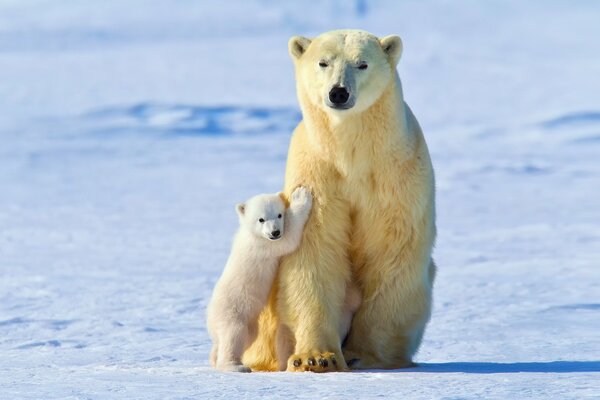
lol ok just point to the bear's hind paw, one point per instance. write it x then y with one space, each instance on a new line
234 368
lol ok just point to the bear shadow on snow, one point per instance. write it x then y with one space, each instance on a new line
564 367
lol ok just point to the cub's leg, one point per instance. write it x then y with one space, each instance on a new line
213 354
232 339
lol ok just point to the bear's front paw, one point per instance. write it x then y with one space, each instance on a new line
316 362
301 199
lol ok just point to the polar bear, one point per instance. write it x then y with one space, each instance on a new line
362 152
267 232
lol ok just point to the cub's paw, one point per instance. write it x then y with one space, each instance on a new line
301 199
315 362
233 368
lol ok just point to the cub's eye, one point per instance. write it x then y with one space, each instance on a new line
261 220
323 64
279 216
363 66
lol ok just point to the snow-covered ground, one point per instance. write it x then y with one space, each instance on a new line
128 131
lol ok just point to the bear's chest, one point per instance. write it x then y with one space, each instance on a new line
370 185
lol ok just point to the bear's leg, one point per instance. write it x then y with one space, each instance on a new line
232 339
312 288
284 346
389 325
351 303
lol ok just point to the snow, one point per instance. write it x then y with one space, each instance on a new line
129 130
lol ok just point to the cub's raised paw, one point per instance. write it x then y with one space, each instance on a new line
315 362
301 198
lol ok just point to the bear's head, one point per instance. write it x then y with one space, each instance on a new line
345 71
263 215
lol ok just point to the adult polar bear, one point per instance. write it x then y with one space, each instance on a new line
361 151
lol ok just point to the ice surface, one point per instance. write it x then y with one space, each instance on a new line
129 130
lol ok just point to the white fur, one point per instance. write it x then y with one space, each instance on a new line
373 219
243 289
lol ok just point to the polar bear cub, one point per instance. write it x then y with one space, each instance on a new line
267 232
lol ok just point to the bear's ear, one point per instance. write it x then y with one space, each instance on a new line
297 46
392 47
284 198
241 209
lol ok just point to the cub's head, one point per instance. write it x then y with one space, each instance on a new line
344 71
263 215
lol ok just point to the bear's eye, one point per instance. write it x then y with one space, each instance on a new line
323 64
279 216
261 220
363 66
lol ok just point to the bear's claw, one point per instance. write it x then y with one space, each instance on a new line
315 362
352 362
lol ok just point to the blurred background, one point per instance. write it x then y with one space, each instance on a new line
130 129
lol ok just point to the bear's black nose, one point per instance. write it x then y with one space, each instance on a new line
339 95
275 233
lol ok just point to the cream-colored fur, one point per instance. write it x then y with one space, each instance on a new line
242 291
373 219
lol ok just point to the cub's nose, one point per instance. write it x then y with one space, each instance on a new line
339 95
275 234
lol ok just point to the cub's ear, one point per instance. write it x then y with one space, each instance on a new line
284 198
392 47
297 46
241 209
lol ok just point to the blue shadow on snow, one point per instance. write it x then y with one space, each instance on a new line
190 120
507 368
